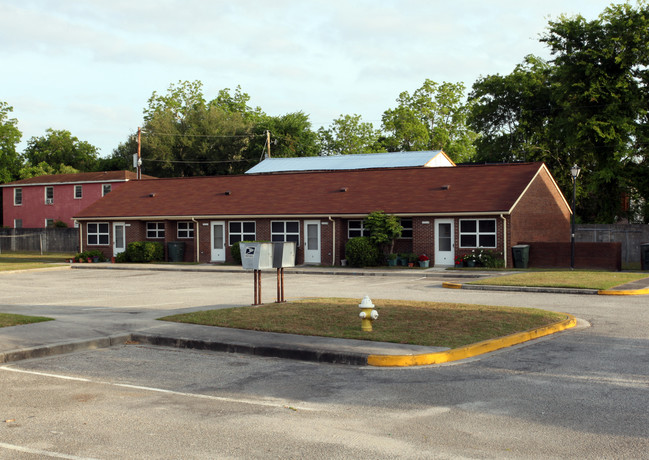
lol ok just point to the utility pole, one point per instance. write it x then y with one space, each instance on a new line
268 141
139 153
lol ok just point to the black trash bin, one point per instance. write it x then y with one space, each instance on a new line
644 256
176 251
521 254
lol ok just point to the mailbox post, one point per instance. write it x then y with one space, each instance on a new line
262 256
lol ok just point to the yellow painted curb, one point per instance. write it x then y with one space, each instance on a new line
470 350
623 292
451 285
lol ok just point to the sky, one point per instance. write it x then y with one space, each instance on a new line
90 66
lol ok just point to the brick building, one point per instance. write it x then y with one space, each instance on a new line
39 201
445 211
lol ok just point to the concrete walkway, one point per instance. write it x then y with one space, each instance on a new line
100 328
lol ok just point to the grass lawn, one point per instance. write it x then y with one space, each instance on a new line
9 319
419 323
26 260
567 279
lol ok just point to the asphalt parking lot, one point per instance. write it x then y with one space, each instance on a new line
580 393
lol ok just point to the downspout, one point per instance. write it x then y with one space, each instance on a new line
197 234
333 245
80 237
505 251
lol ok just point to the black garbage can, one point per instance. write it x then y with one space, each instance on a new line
644 256
176 251
521 254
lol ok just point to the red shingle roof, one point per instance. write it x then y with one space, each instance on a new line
101 176
463 189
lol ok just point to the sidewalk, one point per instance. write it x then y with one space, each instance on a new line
74 331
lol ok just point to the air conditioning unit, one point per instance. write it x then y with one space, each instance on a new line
49 201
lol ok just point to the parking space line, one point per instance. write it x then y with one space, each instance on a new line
276 404
42 453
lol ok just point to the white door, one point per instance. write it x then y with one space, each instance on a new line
312 242
119 238
444 242
218 241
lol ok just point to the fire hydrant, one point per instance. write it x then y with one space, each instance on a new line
367 314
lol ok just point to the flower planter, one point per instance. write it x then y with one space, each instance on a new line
424 263
392 262
470 263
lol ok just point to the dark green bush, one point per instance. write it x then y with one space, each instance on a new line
361 252
235 250
144 251
89 254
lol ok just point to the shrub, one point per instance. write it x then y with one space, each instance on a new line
361 252
235 250
144 251
489 259
90 254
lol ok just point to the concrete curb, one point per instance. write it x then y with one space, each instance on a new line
272 351
469 351
547 290
62 348
288 271
623 292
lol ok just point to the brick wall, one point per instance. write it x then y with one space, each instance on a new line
541 214
602 256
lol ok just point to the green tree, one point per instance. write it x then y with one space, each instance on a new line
60 147
9 137
349 135
384 229
184 135
588 105
44 169
291 136
434 117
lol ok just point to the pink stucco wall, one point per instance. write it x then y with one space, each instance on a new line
34 211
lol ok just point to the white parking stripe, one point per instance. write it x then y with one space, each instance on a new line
255 402
42 453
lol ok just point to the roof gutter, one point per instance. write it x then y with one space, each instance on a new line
297 216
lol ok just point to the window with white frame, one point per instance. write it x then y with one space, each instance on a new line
18 223
477 233
18 197
155 229
241 231
49 195
78 192
185 229
106 188
49 223
97 234
406 231
356 228
284 231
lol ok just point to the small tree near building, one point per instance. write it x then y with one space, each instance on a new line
384 229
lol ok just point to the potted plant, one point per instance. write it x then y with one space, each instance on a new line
459 261
392 260
470 259
424 261
412 258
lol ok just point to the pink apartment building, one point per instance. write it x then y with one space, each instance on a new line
40 201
